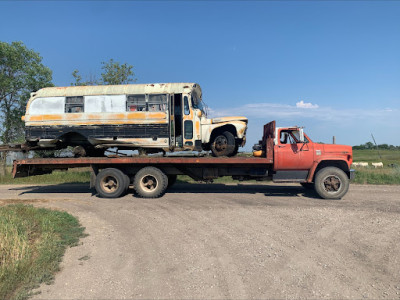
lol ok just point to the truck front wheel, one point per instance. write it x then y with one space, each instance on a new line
331 183
150 182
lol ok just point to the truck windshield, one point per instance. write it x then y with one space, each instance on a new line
296 135
291 137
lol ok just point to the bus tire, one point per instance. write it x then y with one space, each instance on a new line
150 182
111 183
223 144
331 183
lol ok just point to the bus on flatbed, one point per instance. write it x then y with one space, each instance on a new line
150 118
284 154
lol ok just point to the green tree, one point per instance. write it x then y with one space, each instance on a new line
21 72
113 72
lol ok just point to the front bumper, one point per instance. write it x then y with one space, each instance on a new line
352 174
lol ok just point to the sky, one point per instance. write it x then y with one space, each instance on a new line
330 66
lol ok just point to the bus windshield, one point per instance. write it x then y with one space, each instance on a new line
199 104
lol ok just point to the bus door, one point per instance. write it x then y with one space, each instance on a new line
171 109
187 119
176 119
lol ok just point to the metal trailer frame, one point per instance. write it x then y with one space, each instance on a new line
108 171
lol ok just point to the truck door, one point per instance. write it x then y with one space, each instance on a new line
290 153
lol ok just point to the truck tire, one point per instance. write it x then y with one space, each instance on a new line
171 180
331 183
223 144
150 182
127 184
111 183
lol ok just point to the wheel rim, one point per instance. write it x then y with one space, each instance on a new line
221 143
109 184
148 183
332 184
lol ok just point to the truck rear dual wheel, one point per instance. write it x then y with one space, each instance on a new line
331 183
150 182
112 183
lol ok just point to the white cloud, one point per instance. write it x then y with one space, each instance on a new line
302 110
301 104
351 126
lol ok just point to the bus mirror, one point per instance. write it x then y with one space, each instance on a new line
301 133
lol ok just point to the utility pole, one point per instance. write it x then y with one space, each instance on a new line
377 148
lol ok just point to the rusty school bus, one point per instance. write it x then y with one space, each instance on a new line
145 117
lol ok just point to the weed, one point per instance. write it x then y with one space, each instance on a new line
32 243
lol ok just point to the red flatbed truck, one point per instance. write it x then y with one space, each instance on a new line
285 154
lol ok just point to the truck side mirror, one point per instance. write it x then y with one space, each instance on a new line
301 134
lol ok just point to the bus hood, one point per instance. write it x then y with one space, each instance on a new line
228 119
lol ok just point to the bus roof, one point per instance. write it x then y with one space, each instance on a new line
150 88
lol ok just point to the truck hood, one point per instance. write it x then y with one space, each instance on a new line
228 119
337 149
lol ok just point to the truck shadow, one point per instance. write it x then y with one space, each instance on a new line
179 188
63 188
218 188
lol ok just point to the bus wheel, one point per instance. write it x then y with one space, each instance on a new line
331 183
150 182
223 144
111 183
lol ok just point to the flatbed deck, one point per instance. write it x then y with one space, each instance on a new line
35 166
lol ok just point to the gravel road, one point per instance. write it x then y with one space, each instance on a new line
226 241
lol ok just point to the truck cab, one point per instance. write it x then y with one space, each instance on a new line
296 158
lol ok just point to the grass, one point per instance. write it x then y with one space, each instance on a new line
57 177
377 176
386 156
387 175
32 243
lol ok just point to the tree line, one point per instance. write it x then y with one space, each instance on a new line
23 72
371 146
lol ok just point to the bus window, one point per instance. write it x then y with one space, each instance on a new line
157 102
74 104
136 103
47 105
186 105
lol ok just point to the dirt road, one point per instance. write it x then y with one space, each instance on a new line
236 241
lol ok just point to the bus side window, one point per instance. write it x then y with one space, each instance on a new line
136 103
157 102
74 104
186 105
